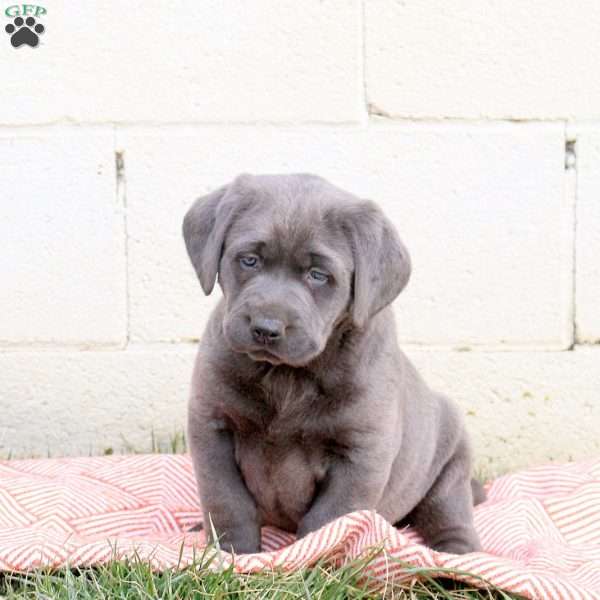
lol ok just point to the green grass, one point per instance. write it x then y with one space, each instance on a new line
136 580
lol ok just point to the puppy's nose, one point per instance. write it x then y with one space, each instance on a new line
266 331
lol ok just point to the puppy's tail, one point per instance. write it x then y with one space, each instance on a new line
479 495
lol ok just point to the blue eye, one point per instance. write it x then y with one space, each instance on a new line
249 261
318 276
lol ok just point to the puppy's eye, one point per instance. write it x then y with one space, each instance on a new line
318 276
249 262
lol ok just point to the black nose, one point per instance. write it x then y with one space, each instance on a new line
266 331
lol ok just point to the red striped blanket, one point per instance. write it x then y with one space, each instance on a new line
540 528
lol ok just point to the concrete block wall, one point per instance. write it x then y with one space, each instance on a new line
476 125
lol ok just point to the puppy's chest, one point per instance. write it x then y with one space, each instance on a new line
285 435
284 408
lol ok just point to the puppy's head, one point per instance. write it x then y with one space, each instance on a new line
295 256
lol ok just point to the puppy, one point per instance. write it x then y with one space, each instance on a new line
302 407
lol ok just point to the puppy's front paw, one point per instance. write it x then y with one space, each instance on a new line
302 531
458 545
311 522
242 546
238 540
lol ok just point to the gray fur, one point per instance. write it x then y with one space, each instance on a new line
303 408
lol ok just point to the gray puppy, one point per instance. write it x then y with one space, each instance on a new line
303 408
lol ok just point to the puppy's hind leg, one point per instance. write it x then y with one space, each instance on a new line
445 516
479 495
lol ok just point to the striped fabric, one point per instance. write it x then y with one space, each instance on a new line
540 528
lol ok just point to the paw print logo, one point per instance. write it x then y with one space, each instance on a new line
24 32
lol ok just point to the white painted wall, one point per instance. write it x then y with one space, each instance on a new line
454 116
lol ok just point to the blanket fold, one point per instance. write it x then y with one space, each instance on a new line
540 528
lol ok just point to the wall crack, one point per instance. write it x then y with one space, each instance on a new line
121 196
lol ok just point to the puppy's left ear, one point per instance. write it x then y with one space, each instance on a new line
205 226
382 263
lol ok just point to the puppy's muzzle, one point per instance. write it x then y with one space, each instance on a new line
266 331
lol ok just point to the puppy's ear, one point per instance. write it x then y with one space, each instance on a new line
381 261
204 228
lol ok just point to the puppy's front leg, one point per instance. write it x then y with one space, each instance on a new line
353 482
226 502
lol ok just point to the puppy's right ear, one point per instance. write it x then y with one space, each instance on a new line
204 229
381 261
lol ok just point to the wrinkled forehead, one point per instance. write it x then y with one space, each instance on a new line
288 228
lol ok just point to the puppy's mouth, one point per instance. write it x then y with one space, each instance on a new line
264 356
293 351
